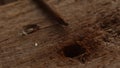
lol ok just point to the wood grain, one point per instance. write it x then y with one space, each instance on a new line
18 51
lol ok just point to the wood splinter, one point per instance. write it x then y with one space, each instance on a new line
28 29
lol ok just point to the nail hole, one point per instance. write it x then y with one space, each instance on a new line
73 50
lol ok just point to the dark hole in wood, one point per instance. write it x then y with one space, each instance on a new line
3 2
73 50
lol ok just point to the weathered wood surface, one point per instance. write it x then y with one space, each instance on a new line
18 51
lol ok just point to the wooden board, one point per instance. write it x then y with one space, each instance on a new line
17 51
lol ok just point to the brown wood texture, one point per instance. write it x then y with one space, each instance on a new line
40 48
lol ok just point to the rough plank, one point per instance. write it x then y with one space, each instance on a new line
18 51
